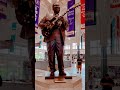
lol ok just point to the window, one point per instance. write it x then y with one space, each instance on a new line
67 47
74 46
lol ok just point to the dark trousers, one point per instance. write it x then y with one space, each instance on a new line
55 47
31 52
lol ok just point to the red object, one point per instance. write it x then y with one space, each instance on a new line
115 6
82 13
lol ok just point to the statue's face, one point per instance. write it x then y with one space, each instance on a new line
56 9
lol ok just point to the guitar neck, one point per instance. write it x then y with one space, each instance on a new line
73 7
55 20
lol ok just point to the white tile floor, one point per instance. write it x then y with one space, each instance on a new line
72 71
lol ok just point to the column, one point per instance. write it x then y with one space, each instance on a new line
104 28
71 53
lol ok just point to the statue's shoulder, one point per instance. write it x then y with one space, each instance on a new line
49 16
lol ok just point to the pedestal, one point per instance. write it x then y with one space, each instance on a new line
49 84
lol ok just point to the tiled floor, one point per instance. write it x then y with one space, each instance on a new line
72 71
16 86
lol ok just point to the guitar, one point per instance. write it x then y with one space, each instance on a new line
47 31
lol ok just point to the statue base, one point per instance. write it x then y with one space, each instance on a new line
58 83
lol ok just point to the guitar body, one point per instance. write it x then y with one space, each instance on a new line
46 32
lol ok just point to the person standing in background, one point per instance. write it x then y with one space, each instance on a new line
79 65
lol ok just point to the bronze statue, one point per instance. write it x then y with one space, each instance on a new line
53 30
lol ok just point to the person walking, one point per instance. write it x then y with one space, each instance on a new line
79 65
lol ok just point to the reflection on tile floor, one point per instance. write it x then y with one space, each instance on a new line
72 71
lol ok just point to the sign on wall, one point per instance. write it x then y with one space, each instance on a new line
115 4
90 10
37 8
82 14
71 19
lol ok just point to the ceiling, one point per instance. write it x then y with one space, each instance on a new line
46 7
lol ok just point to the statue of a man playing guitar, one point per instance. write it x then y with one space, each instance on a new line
53 30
